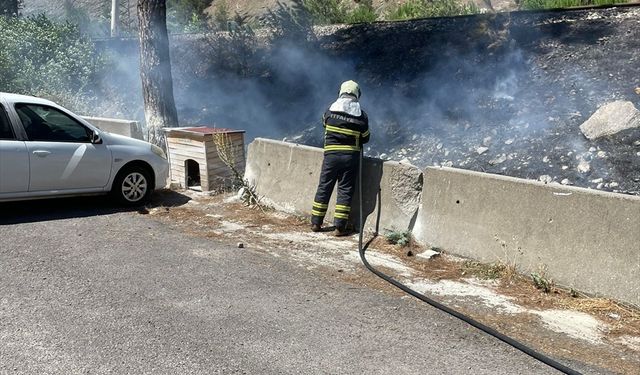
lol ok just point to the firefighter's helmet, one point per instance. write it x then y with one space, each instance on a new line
350 87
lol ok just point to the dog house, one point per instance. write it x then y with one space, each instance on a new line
203 158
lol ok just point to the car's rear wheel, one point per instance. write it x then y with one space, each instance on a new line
132 186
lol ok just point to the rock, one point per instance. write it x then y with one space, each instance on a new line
566 182
240 245
614 316
499 160
447 163
610 119
545 159
545 178
482 150
614 184
427 254
486 141
597 180
583 166
509 141
383 156
601 154
592 149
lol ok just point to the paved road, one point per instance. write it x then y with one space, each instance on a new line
93 290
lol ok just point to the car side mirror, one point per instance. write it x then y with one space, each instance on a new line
96 139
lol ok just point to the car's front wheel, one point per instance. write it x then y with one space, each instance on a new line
132 186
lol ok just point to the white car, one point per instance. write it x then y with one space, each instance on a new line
47 151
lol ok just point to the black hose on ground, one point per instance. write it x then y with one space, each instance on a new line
516 344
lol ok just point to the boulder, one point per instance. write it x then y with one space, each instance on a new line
610 119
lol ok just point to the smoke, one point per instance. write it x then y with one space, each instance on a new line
503 93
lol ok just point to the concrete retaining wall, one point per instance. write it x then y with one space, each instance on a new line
286 176
127 128
585 239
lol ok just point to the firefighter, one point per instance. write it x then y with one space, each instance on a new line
346 129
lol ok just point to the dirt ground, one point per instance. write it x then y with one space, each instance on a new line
563 323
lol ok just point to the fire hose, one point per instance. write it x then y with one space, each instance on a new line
516 344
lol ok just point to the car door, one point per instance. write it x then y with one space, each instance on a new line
61 154
14 159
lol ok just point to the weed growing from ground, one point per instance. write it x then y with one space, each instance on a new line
401 238
227 154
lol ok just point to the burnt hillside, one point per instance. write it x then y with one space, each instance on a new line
501 93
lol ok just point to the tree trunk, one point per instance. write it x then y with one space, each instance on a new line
9 7
155 70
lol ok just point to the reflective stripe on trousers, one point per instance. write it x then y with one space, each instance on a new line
340 168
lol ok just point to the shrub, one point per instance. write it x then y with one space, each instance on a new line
326 12
426 9
96 23
401 238
187 15
363 13
552 4
289 23
42 58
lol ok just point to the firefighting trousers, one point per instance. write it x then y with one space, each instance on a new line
341 168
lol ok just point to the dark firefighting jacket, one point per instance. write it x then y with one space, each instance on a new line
345 132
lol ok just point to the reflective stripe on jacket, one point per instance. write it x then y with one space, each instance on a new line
344 132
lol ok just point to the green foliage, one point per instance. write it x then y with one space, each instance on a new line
541 282
187 15
429 8
401 238
363 13
326 12
221 14
289 23
78 15
42 58
553 4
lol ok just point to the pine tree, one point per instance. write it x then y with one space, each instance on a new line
155 69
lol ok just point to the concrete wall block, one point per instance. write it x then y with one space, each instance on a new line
127 128
286 176
398 188
585 239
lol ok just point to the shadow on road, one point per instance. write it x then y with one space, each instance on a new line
67 208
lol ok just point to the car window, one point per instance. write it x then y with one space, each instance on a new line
44 123
5 127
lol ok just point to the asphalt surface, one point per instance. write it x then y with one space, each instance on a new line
89 289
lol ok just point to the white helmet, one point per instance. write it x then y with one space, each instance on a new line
350 87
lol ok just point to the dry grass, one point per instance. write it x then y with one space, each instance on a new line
193 219
510 282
